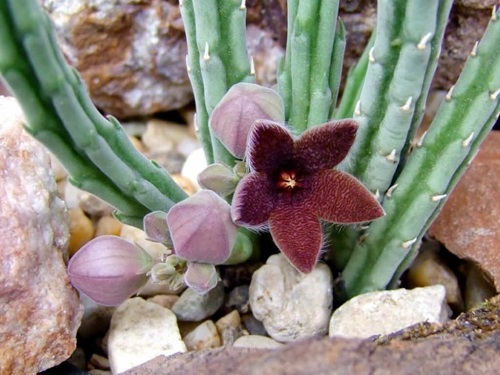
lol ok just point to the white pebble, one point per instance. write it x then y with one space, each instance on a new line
140 331
194 164
290 304
381 313
205 336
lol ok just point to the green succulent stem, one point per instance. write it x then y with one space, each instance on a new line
96 153
217 59
464 119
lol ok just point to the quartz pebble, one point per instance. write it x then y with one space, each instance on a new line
185 184
193 307
229 327
81 230
428 269
291 305
257 342
385 312
140 331
205 336
194 164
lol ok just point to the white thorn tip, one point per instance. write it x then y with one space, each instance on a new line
390 191
468 140
357 109
407 106
187 64
252 66
362 237
437 198
421 139
449 94
424 42
243 5
377 194
494 95
473 53
195 120
371 57
392 156
364 227
494 13
407 244
206 55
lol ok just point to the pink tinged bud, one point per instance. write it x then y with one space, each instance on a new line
218 178
202 229
244 103
109 269
201 277
155 226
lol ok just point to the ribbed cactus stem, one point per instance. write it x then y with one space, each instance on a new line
96 152
433 169
217 59
308 75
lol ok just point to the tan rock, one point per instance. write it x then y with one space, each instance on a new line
39 310
108 225
81 230
165 300
468 224
204 336
229 327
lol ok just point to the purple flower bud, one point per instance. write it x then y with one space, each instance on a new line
218 178
244 103
155 226
109 269
202 229
201 277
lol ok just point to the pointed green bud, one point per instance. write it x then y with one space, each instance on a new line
156 229
242 249
218 178
162 272
235 114
201 277
202 229
109 269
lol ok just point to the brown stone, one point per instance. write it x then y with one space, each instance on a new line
468 224
469 345
39 310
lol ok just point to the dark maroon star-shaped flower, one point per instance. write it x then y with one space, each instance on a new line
291 187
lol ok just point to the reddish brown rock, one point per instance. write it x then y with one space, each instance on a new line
39 310
468 225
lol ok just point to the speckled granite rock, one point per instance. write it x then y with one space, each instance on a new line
39 310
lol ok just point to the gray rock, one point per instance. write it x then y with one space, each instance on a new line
291 305
385 312
40 311
140 331
192 307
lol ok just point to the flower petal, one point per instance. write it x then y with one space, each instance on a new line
326 145
298 235
340 198
244 103
253 200
269 145
201 228
201 277
156 229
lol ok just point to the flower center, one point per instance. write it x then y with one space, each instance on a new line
287 180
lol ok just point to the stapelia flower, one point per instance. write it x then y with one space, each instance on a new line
292 186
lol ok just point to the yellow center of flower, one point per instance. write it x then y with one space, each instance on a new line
287 180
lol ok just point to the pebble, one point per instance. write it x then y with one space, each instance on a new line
428 269
253 325
140 331
238 299
98 361
385 312
185 184
205 336
193 307
194 164
81 230
108 225
96 371
96 318
160 135
477 287
257 342
229 327
137 143
164 300
291 305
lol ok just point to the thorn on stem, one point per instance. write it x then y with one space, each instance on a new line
390 191
206 55
424 42
468 140
407 106
252 66
243 5
421 139
494 13
450 93
473 53
187 64
371 57
494 95
407 244
357 109
437 198
392 156
377 194
362 238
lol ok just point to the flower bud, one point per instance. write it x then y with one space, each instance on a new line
156 229
218 178
109 269
201 277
